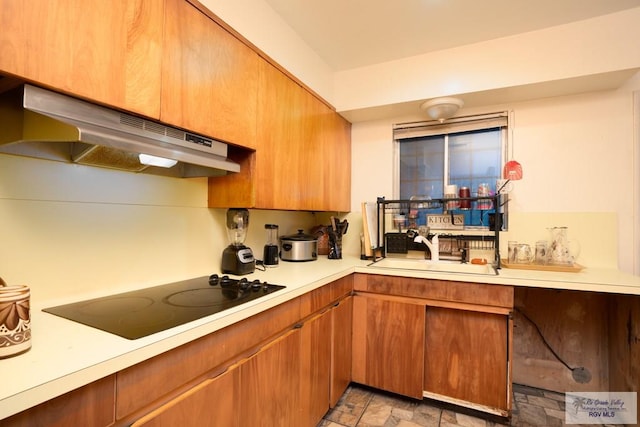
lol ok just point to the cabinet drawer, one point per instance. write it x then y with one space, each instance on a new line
91 405
322 297
442 290
210 403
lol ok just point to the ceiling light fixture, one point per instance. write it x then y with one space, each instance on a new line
442 108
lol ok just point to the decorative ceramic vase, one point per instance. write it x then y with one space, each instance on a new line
15 320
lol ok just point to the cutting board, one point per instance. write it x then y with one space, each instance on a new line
575 268
370 227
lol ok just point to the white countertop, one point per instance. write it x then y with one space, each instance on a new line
66 355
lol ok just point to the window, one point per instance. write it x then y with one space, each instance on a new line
466 151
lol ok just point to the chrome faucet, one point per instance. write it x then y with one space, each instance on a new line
433 245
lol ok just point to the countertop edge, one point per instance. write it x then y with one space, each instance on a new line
300 278
15 400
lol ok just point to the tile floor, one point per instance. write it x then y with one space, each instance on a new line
365 407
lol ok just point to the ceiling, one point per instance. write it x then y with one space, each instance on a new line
354 33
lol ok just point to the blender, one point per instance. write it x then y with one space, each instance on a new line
270 256
237 258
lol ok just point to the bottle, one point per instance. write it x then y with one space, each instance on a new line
271 249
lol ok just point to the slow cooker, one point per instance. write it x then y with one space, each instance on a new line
299 247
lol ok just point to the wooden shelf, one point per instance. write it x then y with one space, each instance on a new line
575 268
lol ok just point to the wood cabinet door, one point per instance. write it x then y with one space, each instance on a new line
304 151
315 369
336 161
270 384
388 344
341 327
106 50
279 158
286 383
466 356
209 77
211 403
12 37
325 183
90 405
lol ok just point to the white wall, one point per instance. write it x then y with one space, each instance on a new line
594 46
74 230
574 149
599 45
259 24
577 154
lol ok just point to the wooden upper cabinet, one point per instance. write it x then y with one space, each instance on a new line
335 143
303 154
209 77
12 45
271 177
282 116
106 51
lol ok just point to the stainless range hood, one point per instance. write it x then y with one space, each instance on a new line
35 122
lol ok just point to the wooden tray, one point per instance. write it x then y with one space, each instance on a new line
575 268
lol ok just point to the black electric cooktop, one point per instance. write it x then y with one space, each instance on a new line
144 312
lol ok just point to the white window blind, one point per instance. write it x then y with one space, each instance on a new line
454 125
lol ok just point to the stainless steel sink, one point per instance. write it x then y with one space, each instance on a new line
438 266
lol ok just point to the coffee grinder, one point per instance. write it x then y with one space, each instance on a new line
237 258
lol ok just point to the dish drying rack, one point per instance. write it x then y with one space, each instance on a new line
457 241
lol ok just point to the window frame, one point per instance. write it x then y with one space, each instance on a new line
454 125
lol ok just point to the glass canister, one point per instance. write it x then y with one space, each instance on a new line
271 248
541 252
15 320
451 192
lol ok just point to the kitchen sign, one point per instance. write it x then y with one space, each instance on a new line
447 222
601 408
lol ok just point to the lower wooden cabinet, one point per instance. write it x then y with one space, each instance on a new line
315 369
341 350
467 358
388 343
212 403
414 337
286 382
91 405
270 385
449 341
